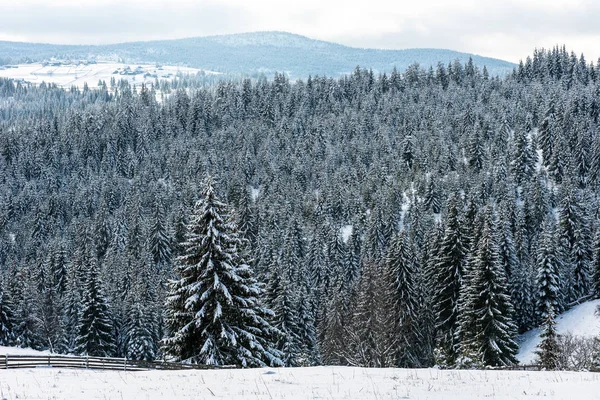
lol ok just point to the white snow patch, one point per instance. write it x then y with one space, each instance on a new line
346 232
464 158
511 134
556 214
540 160
403 210
21 351
297 383
12 237
580 321
534 132
254 193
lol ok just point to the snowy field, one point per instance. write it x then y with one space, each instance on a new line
581 320
19 351
67 75
317 382
303 383
298 383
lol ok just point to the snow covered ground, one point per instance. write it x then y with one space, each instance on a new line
19 351
69 74
297 383
294 383
317 382
579 321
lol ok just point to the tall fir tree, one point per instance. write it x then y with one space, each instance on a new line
333 331
548 350
27 326
351 268
283 300
51 313
102 232
449 268
370 338
400 274
140 324
214 314
7 334
523 158
159 241
576 240
548 269
94 332
495 331
307 333
596 266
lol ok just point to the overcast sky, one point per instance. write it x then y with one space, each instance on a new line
506 29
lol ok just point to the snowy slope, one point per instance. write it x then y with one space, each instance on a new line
19 351
579 321
298 383
76 74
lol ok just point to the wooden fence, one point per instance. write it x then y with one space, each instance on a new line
520 367
123 364
116 364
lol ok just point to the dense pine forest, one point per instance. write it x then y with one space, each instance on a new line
411 219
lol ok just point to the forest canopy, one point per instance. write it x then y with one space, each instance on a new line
420 192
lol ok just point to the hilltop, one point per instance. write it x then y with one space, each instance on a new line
251 53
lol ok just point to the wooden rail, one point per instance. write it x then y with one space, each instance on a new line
9 361
519 367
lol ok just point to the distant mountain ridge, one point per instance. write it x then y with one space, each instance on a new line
251 53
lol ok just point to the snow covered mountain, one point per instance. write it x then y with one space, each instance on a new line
252 53
581 320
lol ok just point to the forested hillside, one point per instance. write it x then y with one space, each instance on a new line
408 219
250 54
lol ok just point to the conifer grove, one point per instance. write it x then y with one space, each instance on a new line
408 218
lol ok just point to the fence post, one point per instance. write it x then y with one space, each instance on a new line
6 361
48 360
86 362
125 364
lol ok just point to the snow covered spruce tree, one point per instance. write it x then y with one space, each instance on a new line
369 339
140 325
7 335
400 274
493 337
282 300
547 285
576 241
596 267
160 241
94 332
449 268
548 350
214 315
